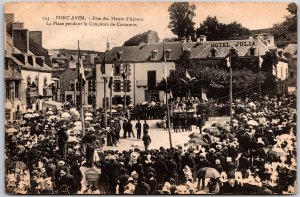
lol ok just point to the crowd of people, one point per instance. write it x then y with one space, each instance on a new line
255 153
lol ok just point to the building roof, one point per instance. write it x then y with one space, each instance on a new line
57 73
197 50
38 50
222 48
12 74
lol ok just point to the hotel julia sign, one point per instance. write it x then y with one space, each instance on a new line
237 44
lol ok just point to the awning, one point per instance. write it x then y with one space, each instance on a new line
52 105
12 75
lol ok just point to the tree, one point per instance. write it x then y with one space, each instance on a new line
142 38
214 30
287 30
211 28
181 19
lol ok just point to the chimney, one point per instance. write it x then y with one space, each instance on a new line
190 39
17 25
9 19
202 39
36 36
21 39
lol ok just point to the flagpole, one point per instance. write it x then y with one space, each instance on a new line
259 76
230 88
110 107
80 96
105 104
125 90
167 102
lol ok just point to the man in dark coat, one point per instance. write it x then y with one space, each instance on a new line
172 170
152 182
230 187
147 140
123 180
145 127
142 188
138 127
62 139
90 140
129 129
125 129
113 174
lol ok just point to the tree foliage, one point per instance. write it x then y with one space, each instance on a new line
214 30
141 38
181 19
287 30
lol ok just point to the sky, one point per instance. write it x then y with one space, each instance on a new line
154 16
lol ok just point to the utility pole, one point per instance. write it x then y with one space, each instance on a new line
167 102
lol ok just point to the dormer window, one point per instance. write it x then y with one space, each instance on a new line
213 52
154 54
252 51
167 53
119 54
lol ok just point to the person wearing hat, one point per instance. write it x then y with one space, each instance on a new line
152 182
123 180
199 123
125 131
62 139
142 188
113 174
146 139
138 127
129 129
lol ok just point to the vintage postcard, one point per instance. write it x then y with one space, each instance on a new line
150 98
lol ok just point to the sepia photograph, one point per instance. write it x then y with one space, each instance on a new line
150 98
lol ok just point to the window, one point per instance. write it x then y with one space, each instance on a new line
126 86
119 54
45 81
17 89
72 86
213 52
167 53
117 86
151 79
252 51
7 90
28 81
117 69
77 86
153 54
126 70
30 60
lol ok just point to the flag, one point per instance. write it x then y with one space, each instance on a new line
187 75
228 61
171 94
260 60
124 74
81 75
111 78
